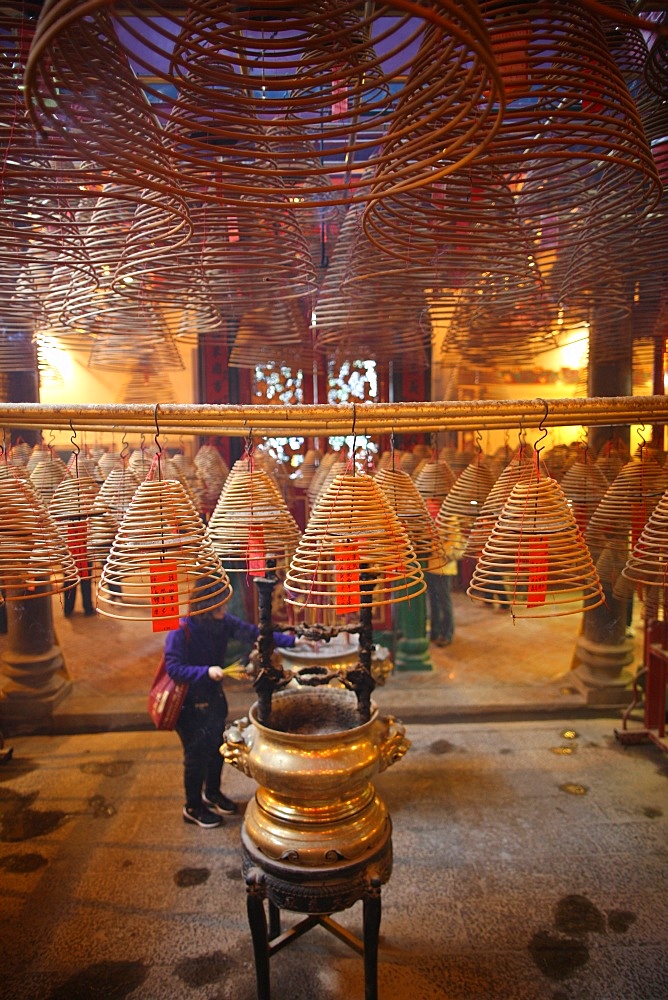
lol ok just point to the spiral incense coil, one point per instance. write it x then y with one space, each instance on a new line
320 484
84 465
433 483
214 472
465 499
610 462
140 462
584 485
303 477
647 564
409 506
142 387
280 335
117 132
314 65
40 453
626 505
535 561
47 475
118 489
108 461
34 558
572 84
187 473
160 552
251 524
519 470
354 549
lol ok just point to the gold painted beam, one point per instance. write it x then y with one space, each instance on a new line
231 420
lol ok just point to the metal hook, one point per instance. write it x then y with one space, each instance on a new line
73 440
543 428
157 429
125 447
643 441
392 449
478 442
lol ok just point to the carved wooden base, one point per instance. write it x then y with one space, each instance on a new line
318 892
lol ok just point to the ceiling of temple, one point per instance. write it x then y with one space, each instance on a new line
331 179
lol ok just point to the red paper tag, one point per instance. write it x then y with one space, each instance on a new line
77 542
347 577
256 557
232 229
537 584
339 90
638 521
433 506
164 596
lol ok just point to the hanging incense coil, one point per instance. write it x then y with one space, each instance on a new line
109 461
160 552
584 485
34 558
47 475
433 483
535 561
519 469
214 471
465 499
647 565
305 473
354 547
251 524
118 489
314 66
326 462
410 508
626 505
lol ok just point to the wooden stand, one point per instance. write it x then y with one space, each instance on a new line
319 893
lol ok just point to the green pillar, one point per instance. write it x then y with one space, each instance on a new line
412 645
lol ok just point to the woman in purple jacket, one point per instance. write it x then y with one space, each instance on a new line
194 654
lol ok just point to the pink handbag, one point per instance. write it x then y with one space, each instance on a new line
165 699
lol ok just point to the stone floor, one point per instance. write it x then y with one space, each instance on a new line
530 863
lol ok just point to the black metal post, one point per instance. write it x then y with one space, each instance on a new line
268 675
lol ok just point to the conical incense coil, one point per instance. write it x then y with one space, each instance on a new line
118 490
34 558
466 498
522 469
648 562
160 552
535 562
108 461
412 511
626 505
584 485
47 475
354 550
251 524
434 481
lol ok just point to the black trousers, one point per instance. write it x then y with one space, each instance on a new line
200 728
70 596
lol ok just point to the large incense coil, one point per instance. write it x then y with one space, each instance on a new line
251 524
647 564
159 554
214 472
108 461
47 475
572 81
84 520
34 558
354 549
465 499
118 133
519 469
143 386
319 485
318 478
410 508
626 505
40 453
433 483
280 335
303 477
535 561
140 461
124 353
314 64
118 489
584 484
187 473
